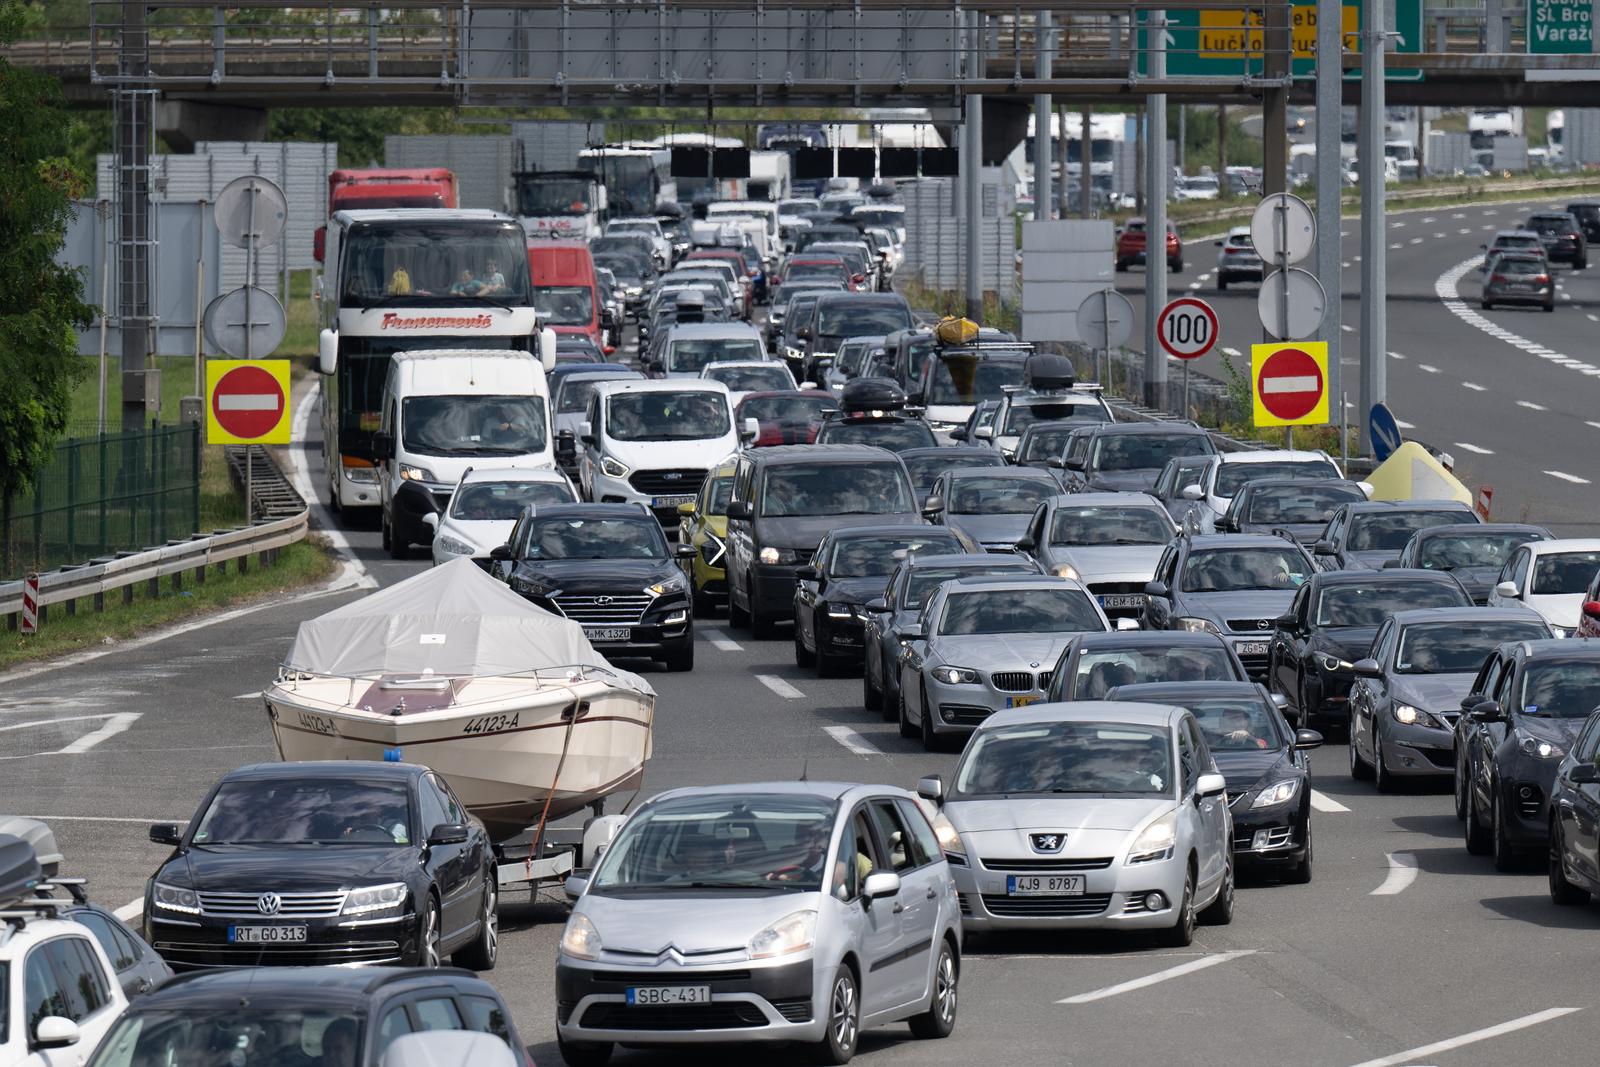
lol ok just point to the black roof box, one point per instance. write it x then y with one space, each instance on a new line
39 837
19 869
1047 371
872 394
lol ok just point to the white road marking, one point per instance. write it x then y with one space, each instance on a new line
722 642
1475 387
1347 328
1345 264
1416 240
1531 406
1428 368
1403 424
1194 285
353 574
1397 225
1395 355
1357 259
1410 1055
1323 802
1429 218
254 694
1457 215
1591 422
99 818
1396 246
1446 288
1490 211
852 740
1231 351
1464 230
52 722
114 726
1564 476
1167 975
1440 235
131 910
1402 872
1474 448
780 687
1591 316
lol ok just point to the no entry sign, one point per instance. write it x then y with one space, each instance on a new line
247 402
1187 328
1290 383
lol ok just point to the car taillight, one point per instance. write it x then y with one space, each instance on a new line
1543 279
1229 250
1499 279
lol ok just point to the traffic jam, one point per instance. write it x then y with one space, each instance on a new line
608 439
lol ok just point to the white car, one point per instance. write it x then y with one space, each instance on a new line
660 247
747 376
485 506
1227 471
1552 578
1200 187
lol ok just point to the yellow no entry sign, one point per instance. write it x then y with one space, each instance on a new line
1289 383
247 402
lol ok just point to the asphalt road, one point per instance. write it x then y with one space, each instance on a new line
1403 949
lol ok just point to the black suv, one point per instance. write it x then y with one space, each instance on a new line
1562 237
785 499
1587 212
1526 706
1129 457
325 1015
344 862
1366 534
607 567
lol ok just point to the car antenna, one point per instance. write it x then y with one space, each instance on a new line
805 765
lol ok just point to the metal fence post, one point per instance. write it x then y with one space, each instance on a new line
194 472
104 540
160 524
72 500
38 519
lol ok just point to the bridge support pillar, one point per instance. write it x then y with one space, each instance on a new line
184 123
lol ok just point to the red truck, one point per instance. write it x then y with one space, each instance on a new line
356 189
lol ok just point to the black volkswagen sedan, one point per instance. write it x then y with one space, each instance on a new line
343 862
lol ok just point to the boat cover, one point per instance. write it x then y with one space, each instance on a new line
454 620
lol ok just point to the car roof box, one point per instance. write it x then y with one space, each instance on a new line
1048 371
872 394
20 873
38 837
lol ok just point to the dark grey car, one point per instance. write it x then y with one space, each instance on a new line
1474 552
1298 506
1367 534
991 506
1130 456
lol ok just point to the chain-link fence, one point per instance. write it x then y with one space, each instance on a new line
104 494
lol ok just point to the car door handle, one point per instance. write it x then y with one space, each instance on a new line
933 894
898 908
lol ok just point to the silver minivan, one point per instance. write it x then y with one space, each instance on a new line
779 911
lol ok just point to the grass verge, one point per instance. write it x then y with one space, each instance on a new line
298 565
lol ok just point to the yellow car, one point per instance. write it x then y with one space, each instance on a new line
704 524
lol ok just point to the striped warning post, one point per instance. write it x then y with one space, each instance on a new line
30 603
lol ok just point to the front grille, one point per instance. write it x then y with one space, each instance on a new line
1246 627
1048 866
1116 588
1044 679
964 714
627 978
1046 907
794 1009
1443 758
1529 800
1012 681
733 1015
220 954
564 1010
290 905
675 482
591 610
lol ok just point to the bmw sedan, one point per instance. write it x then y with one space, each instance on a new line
1094 815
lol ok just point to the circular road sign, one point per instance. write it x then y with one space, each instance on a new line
251 209
1305 301
1283 225
247 402
1105 319
1290 384
1187 328
246 323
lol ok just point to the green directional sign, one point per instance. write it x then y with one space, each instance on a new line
1228 43
1560 27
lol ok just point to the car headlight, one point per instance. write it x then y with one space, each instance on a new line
375 898
580 939
675 584
955 675
364 475
1156 841
1539 748
843 611
531 586
415 474
454 546
612 469
771 555
949 840
793 933
1405 713
1329 663
792 353
1277 793
1067 570
944 427
1196 626
176 898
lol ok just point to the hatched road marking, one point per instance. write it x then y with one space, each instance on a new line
1564 476
1412 1054
1323 802
1402 872
1446 288
722 642
1160 976
852 740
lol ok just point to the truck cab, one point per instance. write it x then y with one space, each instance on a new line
560 203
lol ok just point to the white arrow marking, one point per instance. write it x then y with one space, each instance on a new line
115 726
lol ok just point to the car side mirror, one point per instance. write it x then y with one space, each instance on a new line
1487 711
382 447
1391 564
547 349
1211 785
880 884
1074 463
1584 774
1226 525
931 787
574 886
1025 543
684 551
932 507
1287 621
1304 739
502 553
654 366
1192 492
327 351
958 434
984 433
1055 462
877 605
448 833
586 432
1507 590
750 429
165 833
1157 589
1125 623
912 632
686 509
1366 668
914 399
56 1032
741 510
431 520
1470 701
808 573
1591 608
1324 547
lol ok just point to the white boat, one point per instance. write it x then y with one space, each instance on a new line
452 670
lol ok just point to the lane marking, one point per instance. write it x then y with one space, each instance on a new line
52 722
1323 802
1446 288
1396 246
1591 422
1402 872
1591 316
1397 225
1463 231
116 725
131 910
254 694
780 687
1564 476
1167 975
1440 235
1416 240
1347 328
1428 367
353 574
1346 264
1470 447
1511 1026
722 642
1475 387
1429 218
1531 406
853 741
1404 425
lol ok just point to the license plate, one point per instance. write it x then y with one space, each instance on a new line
1044 885
672 501
265 935
646 995
1128 600
615 633
1519 288
1251 648
1023 701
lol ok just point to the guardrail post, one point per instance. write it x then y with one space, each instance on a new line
99 603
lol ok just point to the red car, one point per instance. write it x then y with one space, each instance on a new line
1130 246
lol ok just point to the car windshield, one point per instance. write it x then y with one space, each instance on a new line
305 811
412 263
1044 443
657 416
627 270
967 379
1564 573
835 489
472 425
856 318
925 469
503 501
693 356
991 495
796 408
1236 723
1560 689
564 305
749 379
1019 611
1298 503
803 272
878 556
922 582
1110 525
1446 552
1458 647
649 227
574 537
894 434
542 195
1143 451
1369 603
1230 570
772 842
574 393
1230 476
1020 416
1516 242
1101 670
1388 531
1067 757
233 1034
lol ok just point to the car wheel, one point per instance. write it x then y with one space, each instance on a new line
738 617
802 658
907 730
1222 283
930 740
383 532
871 695
1580 264
1176 265
1477 837
940 1018
1360 769
682 657
1300 873
1181 933
843 1024
1461 791
1549 307
1486 304
428 954
1506 857
1382 780
584 1053
485 948
761 627
1220 911
891 698
1562 891
399 546
703 604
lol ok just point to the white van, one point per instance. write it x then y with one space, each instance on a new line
652 442
445 410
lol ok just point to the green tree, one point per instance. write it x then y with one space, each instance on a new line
41 301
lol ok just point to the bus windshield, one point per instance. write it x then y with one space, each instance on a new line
364 364
445 263
631 180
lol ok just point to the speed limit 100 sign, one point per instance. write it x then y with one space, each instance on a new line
1187 328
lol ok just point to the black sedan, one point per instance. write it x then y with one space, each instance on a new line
1331 623
1474 552
1269 776
1575 820
926 464
343 862
992 507
1300 507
